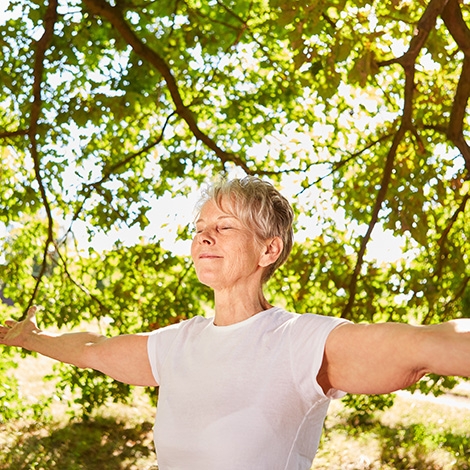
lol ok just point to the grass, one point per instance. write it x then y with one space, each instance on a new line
117 437
413 434
416 433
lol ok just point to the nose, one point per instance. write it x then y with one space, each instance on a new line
205 237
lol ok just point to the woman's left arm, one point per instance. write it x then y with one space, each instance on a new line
384 357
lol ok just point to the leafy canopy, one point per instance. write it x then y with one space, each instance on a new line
357 110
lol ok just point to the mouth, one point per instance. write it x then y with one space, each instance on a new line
209 256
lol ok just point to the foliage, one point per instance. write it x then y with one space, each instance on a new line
357 110
94 388
364 407
11 403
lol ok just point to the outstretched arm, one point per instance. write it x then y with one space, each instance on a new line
384 357
123 358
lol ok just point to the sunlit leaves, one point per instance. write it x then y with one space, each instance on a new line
141 99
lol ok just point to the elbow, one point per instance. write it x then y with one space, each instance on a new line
412 378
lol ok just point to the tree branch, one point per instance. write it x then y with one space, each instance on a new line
453 219
42 45
386 177
443 238
129 158
114 16
408 62
424 27
102 306
337 165
9 134
87 190
458 113
459 30
453 19
451 14
459 294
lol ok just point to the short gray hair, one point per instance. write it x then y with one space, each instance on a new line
260 207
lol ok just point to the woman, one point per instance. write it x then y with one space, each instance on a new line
250 388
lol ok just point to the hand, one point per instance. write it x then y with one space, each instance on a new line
15 333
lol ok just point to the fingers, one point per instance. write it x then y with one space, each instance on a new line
31 312
12 330
5 330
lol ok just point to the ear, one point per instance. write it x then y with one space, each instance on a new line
272 249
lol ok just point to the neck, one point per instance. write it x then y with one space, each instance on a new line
232 308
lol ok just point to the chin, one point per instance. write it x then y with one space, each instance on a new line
209 281
214 284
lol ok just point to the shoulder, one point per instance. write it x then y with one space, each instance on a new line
306 326
321 320
308 320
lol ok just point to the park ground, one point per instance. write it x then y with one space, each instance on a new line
417 433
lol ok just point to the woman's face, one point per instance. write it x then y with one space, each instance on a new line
225 252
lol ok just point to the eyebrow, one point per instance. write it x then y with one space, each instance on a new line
218 218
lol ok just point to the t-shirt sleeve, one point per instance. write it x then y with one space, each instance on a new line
158 344
308 341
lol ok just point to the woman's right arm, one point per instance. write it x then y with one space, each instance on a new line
123 358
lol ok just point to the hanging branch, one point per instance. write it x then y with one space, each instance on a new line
103 307
443 239
87 190
441 257
408 62
335 166
459 210
386 177
42 45
458 294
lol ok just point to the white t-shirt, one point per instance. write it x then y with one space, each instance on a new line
243 396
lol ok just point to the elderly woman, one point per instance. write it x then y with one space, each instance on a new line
250 388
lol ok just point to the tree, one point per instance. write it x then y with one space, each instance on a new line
361 107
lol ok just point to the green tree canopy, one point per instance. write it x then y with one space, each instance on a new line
357 109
